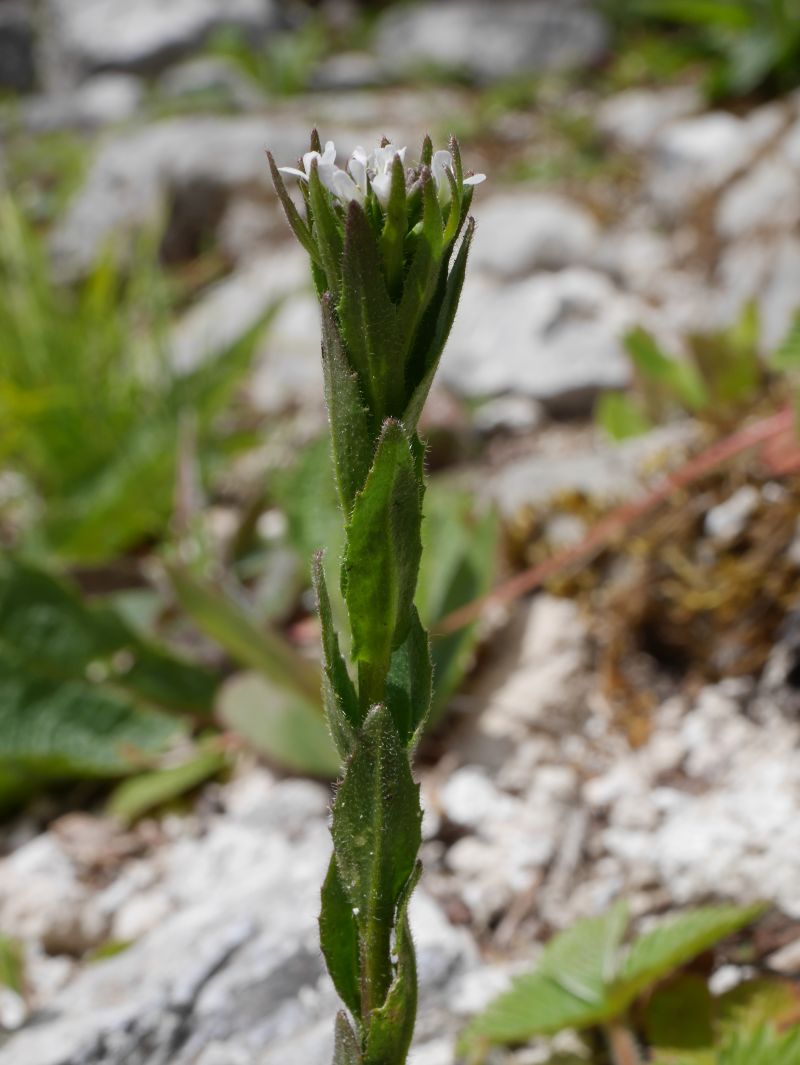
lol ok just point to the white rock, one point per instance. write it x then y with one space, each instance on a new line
469 798
522 233
555 337
103 100
114 34
698 155
133 174
518 414
510 37
634 118
767 197
779 300
728 520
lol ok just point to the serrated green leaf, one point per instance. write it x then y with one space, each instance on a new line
326 231
409 682
433 351
583 959
280 723
675 942
339 940
368 319
763 1047
343 711
349 420
140 794
346 1050
754 1003
70 729
383 550
391 1027
376 836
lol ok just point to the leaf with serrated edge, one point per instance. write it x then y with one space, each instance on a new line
346 1050
338 933
367 318
376 823
383 550
341 701
392 1026
675 942
349 421
409 683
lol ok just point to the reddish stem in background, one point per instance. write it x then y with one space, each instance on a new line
620 518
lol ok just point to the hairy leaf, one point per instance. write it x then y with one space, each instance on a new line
376 823
339 940
383 550
392 1026
409 682
352 445
368 320
346 1050
299 227
344 713
326 231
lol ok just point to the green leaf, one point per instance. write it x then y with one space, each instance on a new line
423 275
675 942
343 711
446 317
280 723
383 550
754 1003
299 228
326 231
391 1027
620 416
368 320
409 683
12 965
787 357
679 379
68 729
680 1015
763 1047
376 825
350 435
394 230
339 940
583 959
346 1050
147 791
217 613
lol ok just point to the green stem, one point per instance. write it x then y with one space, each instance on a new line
371 683
376 963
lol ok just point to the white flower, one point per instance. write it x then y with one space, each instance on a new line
331 177
442 162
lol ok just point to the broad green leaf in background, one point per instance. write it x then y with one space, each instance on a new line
12 965
677 378
71 729
281 723
54 633
584 978
680 1016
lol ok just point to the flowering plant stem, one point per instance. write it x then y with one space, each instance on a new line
388 249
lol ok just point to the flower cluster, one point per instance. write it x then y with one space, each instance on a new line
373 170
